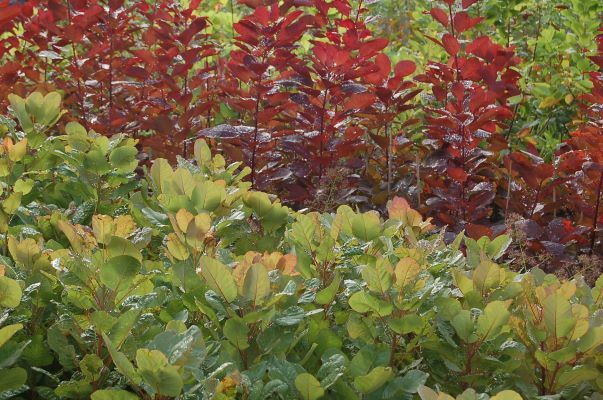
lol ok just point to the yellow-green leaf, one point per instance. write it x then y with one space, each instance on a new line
558 316
8 331
366 226
256 285
218 277
309 387
372 381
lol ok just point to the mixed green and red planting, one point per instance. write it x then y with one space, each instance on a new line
264 199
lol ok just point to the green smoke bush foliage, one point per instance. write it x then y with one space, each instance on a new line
179 282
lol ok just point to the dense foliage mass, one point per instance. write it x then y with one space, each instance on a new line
315 98
120 282
220 199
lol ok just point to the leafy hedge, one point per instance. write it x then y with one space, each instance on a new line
118 282
497 127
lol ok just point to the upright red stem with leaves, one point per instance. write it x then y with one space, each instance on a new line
581 158
394 94
261 64
471 90
123 67
332 95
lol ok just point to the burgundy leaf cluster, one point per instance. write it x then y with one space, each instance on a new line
474 181
121 66
309 100
470 107
304 113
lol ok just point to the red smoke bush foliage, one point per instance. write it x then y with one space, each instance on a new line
561 203
581 160
122 67
323 124
303 114
471 92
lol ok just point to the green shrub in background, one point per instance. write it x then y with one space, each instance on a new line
186 284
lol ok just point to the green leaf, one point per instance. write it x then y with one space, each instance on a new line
498 246
407 324
463 325
558 316
378 277
19 108
576 375
309 387
52 108
591 340
291 316
181 183
181 347
91 366
359 327
119 246
35 106
119 272
156 372
366 226
407 269
77 137
8 331
256 285
202 152
197 230
207 196
448 307
151 360
428 394
10 292
236 331
103 228
123 365
11 204
331 370
123 159
506 395
23 186
490 322
73 389
327 295
218 277
487 275
113 394
11 379
96 162
259 202
303 231
123 326
24 252
276 218
176 248
401 386
372 381
363 302
37 353
413 380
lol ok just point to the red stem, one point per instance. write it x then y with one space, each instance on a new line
536 197
593 233
322 129
255 138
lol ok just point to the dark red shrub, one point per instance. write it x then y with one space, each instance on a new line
261 66
122 67
470 92
392 154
